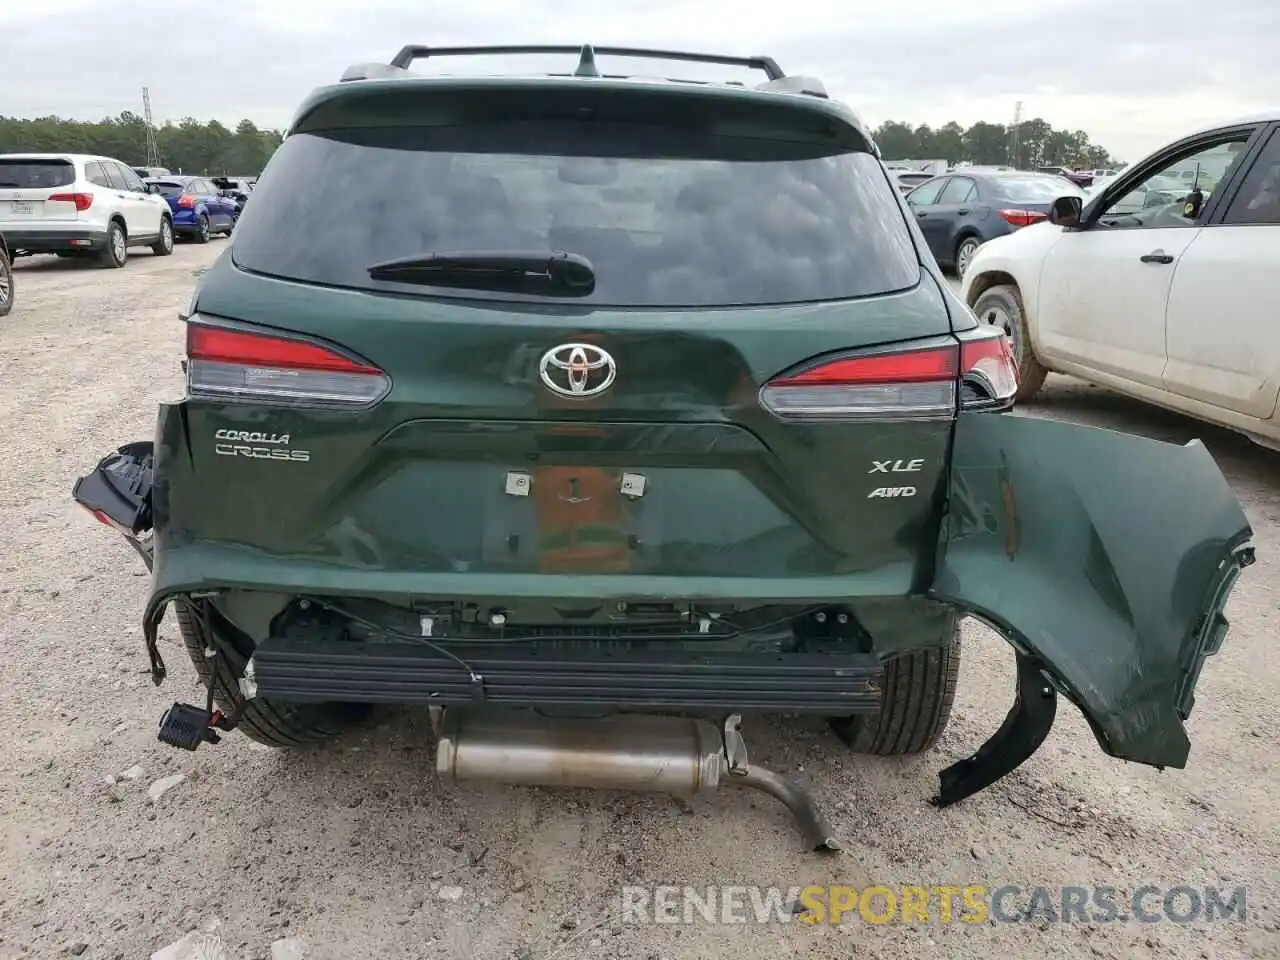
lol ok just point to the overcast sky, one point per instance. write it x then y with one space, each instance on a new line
1132 73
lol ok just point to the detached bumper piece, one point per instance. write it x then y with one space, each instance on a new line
1029 721
529 676
186 726
118 493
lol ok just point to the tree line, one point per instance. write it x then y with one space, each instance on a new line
1036 144
212 149
189 146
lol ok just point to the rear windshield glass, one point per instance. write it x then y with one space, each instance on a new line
167 189
36 174
667 218
1037 190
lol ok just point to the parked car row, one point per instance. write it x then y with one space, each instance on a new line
92 207
1158 285
198 209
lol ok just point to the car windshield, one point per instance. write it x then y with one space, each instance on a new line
167 188
30 174
1037 189
665 217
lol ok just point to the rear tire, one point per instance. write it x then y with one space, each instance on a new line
279 725
965 250
8 292
116 252
202 229
1002 306
919 690
164 245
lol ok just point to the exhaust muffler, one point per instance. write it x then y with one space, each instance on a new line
685 756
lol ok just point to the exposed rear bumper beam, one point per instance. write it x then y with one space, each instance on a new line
412 674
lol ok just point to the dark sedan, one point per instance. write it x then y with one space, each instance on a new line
958 212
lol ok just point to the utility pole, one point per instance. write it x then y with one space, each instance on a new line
153 148
1013 134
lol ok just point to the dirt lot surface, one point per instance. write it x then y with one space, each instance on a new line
354 851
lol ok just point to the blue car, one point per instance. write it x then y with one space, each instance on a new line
199 209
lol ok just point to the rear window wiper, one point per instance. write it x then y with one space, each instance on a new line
545 274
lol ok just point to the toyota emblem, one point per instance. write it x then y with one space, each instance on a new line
577 370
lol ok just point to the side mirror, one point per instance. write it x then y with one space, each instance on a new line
1065 211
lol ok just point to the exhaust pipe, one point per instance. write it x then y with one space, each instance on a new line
685 756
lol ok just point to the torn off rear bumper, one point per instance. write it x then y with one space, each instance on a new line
1107 561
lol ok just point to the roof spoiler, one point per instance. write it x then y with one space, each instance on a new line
402 61
810 86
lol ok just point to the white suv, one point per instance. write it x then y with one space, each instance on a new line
76 205
1164 288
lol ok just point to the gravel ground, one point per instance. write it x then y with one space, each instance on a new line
354 850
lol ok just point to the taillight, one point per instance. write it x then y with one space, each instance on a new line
918 382
1022 218
186 200
231 363
910 384
83 201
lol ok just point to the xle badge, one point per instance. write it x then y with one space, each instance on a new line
896 466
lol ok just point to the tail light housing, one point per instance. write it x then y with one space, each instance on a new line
83 201
988 371
225 362
1022 218
925 380
186 201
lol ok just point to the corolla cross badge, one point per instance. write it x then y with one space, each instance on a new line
577 370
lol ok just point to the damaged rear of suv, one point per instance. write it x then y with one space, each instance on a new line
592 413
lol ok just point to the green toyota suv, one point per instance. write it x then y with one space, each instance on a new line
593 412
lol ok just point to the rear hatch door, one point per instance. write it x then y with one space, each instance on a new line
768 378
37 189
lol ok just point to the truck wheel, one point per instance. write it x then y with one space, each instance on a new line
919 689
280 725
1001 306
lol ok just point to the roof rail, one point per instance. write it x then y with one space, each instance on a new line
586 53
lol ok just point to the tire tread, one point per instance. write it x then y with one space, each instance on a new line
919 692
280 725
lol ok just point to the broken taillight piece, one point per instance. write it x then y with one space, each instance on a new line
914 382
238 363
989 374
